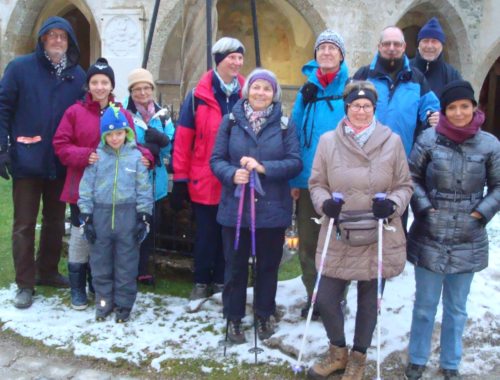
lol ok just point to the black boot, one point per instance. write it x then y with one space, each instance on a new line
77 278
305 310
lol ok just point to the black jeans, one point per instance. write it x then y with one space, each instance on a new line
208 254
27 194
269 249
331 293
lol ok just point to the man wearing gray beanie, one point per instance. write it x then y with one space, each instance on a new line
202 110
318 108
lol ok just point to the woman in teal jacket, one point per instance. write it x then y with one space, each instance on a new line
318 109
154 130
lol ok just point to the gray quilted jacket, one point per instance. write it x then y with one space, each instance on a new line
451 178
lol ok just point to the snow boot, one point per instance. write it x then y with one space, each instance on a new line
235 333
355 368
122 314
451 374
414 371
199 291
24 298
77 278
334 361
264 328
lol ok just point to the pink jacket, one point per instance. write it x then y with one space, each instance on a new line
78 135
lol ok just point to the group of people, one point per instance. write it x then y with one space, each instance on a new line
407 129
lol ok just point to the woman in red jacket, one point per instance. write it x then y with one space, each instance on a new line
75 143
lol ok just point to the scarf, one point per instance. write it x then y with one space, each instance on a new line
60 66
256 118
460 134
326 79
146 112
360 136
228 88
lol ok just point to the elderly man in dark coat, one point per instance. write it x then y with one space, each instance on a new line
35 91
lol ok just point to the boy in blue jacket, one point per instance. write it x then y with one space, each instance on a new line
116 202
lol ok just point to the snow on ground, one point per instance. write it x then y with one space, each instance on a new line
161 328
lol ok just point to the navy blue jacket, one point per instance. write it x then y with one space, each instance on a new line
438 73
32 102
275 148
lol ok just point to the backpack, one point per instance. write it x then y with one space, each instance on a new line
310 97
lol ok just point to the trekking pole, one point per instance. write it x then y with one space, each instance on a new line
240 191
379 196
256 350
337 197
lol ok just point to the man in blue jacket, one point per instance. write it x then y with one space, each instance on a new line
35 90
404 96
318 108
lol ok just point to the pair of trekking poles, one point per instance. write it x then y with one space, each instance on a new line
253 184
338 197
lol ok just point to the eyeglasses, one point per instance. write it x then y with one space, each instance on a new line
145 89
396 44
57 36
357 107
327 48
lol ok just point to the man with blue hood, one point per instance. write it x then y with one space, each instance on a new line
318 109
35 90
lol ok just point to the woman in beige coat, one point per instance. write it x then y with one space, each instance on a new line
358 159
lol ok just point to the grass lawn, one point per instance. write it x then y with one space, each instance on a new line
176 283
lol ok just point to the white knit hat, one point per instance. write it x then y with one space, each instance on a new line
332 37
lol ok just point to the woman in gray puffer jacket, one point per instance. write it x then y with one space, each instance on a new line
448 243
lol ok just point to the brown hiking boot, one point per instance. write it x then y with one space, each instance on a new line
355 366
334 361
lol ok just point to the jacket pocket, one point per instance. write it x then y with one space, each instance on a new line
30 159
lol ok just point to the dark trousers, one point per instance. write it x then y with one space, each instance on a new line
114 258
208 254
269 249
331 293
27 194
147 246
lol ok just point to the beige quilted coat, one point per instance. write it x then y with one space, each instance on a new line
341 165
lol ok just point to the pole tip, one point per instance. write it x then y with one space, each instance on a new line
296 369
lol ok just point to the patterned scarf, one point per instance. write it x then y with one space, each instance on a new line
146 112
460 134
60 66
256 118
228 88
361 136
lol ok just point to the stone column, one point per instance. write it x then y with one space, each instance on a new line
194 43
122 44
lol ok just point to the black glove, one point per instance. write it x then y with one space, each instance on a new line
88 228
179 195
156 137
155 151
332 207
383 208
5 163
142 226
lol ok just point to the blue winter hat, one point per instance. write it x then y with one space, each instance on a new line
113 119
432 30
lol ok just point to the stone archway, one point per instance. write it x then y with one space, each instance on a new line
22 27
457 49
488 74
276 18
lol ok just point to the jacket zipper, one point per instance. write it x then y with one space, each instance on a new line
114 191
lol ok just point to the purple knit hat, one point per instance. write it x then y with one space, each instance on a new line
264 76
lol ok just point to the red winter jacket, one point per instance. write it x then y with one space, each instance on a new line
193 144
78 135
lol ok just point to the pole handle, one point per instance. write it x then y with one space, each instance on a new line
337 197
380 196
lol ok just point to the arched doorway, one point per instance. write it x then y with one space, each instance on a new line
489 99
457 49
82 30
286 43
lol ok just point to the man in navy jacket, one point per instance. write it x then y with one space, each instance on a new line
35 90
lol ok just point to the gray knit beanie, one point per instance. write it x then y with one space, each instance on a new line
331 37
